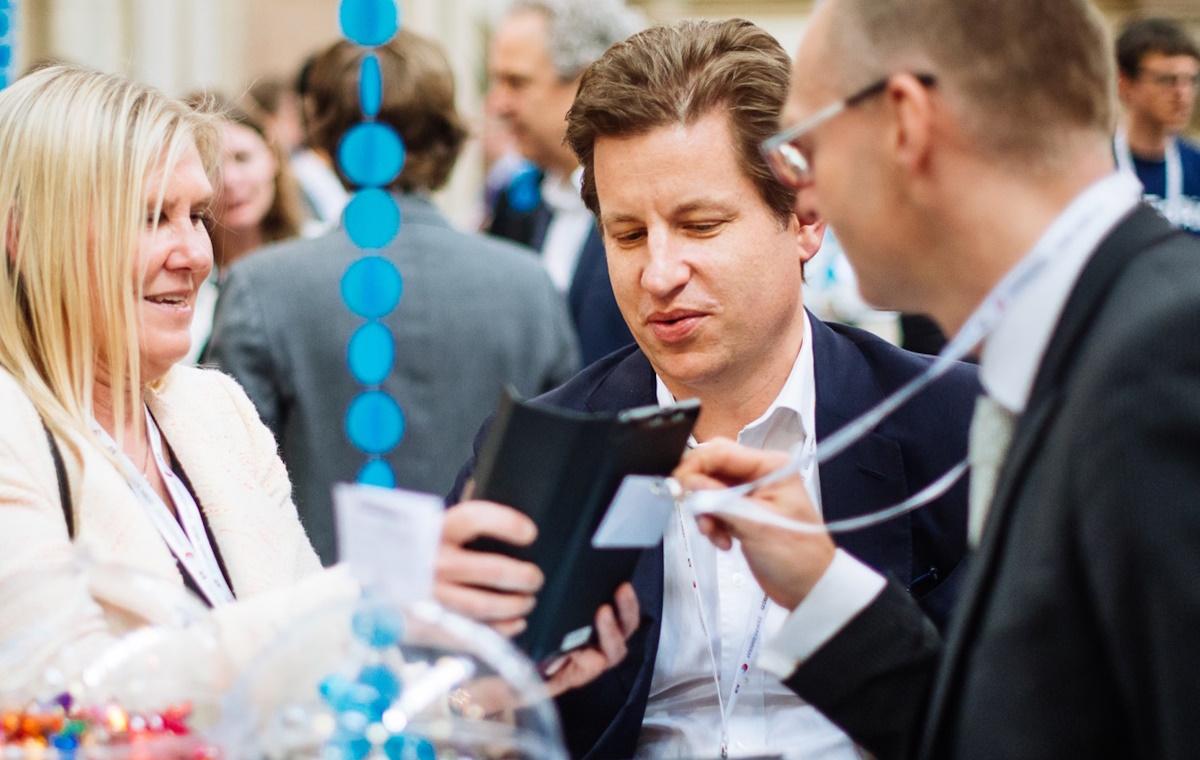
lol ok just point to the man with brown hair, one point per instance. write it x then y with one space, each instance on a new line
706 258
1158 76
474 314
962 148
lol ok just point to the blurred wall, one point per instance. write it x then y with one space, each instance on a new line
180 45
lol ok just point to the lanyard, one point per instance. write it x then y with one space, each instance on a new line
1172 204
1088 216
750 649
185 537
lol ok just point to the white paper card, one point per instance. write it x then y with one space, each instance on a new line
390 539
637 516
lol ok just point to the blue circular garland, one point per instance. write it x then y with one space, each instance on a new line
371 155
8 40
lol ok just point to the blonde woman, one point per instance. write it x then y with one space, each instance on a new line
104 441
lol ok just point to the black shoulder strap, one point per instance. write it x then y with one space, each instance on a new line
64 489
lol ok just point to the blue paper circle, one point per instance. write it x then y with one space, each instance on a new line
370 86
377 625
4 24
374 422
524 191
371 287
5 56
371 353
377 472
372 219
371 154
369 22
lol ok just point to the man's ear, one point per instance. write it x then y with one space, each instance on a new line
809 236
1123 85
912 124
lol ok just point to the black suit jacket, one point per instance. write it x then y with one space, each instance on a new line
598 322
1079 631
854 370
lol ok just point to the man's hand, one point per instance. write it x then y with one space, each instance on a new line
787 564
484 586
582 666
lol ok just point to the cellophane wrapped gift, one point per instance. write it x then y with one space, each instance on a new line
125 665
371 680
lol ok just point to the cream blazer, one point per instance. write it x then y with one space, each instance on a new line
231 460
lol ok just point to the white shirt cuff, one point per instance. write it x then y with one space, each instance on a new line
845 590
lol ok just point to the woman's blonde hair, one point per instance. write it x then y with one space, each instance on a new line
78 149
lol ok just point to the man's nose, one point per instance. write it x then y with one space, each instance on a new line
666 267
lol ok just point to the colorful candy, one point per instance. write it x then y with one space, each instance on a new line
63 726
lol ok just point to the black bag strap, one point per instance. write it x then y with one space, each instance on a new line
64 489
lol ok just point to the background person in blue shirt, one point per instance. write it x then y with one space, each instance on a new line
1159 71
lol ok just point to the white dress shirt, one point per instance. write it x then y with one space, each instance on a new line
570 225
682 717
1011 357
321 185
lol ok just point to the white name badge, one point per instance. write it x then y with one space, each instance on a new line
390 537
638 514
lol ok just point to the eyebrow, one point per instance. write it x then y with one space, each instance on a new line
688 207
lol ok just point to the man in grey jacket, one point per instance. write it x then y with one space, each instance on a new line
474 315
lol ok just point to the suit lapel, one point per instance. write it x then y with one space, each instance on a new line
632 384
539 224
1141 230
870 474
629 384
592 264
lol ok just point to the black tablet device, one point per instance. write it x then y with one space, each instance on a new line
562 468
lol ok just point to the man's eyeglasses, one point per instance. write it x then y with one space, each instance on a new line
783 153
1167 80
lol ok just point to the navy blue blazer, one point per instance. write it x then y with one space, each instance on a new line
598 322
923 550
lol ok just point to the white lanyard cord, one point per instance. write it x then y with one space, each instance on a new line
1174 179
1073 224
807 447
186 537
748 651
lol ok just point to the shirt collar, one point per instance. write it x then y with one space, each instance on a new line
1013 352
796 403
563 193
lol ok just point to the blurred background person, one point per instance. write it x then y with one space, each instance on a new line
476 314
277 100
106 442
324 194
1158 73
257 201
502 164
538 53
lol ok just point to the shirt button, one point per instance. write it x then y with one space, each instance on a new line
739 579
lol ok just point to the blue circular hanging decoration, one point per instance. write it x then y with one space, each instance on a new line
371 154
371 353
371 287
370 23
370 86
372 219
374 422
377 472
